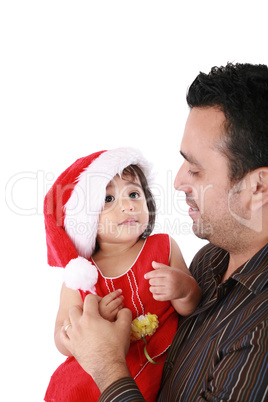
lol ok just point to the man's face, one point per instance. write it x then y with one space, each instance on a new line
213 204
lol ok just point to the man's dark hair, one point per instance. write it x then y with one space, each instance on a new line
241 92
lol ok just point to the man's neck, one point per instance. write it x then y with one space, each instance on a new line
238 259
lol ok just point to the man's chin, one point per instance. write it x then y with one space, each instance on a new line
202 231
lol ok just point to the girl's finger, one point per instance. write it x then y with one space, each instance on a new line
157 290
114 304
112 296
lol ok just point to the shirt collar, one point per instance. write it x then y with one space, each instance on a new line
253 274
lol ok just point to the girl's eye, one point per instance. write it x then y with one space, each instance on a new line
109 198
134 195
192 173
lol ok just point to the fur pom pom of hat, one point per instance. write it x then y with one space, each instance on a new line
72 208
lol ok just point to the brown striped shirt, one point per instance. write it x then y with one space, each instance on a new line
220 351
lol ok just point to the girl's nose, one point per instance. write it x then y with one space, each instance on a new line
127 206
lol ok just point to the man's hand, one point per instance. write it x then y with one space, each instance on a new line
111 304
99 346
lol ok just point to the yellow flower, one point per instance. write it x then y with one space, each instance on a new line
143 325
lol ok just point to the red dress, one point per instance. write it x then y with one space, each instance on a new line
70 383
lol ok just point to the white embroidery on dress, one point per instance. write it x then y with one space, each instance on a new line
107 286
112 285
137 292
132 295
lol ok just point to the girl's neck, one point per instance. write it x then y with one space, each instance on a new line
111 249
115 259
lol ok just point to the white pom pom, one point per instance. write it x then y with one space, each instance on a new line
79 273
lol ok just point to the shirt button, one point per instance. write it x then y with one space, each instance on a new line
170 365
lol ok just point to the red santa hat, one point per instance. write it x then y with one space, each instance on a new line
72 208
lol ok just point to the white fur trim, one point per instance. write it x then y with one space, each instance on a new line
79 273
87 200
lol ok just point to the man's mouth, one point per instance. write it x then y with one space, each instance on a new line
193 208
192 204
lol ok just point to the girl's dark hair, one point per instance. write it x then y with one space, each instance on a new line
136 171
241 92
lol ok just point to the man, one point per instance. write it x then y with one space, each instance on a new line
220 351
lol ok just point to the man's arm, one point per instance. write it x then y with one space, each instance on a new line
100 346
123 390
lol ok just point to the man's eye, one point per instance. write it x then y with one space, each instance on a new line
134 194
192 173
109 198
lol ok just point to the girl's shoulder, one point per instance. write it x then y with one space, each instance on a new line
158 245
158 237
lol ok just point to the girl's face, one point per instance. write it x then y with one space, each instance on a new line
125 215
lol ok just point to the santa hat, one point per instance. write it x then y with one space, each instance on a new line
72 208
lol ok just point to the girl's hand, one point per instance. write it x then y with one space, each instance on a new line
111 304
167 283
176 285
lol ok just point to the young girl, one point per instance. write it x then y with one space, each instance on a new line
98 216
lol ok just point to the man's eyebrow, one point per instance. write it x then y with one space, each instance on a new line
190 159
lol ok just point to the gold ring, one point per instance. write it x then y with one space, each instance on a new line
66 328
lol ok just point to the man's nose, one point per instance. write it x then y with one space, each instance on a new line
181 183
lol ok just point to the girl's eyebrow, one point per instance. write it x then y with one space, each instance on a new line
130 182
133 183
110 184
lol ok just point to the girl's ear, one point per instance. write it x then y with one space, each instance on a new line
259 188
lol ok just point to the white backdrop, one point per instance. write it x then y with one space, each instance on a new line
78 77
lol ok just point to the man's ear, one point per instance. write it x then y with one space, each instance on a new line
259 188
